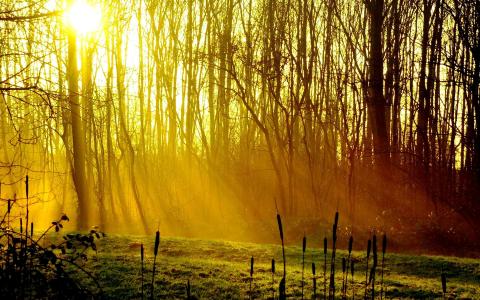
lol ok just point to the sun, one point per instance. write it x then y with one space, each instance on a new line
83 17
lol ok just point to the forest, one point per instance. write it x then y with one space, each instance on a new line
183 113
205 119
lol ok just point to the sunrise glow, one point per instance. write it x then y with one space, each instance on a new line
83 17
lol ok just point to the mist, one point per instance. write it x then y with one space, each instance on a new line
206 118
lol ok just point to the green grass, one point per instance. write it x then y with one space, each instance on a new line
220 270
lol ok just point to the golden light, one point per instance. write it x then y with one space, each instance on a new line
83 17
50 5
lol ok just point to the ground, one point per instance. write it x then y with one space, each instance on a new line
221 270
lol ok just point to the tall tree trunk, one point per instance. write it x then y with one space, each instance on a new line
78 135
376 99
422 128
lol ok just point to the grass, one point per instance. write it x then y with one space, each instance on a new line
221 269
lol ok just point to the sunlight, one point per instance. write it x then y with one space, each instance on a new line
51 5
83 17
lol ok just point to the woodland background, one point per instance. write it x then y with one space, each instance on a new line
203 116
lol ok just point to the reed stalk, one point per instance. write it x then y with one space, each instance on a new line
384 249
325 268
314 281
142 257
331 292
155 252
444 285
369 248
304 247
282 288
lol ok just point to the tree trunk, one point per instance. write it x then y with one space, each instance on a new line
376 99
78 136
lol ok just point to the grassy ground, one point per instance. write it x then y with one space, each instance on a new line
220 270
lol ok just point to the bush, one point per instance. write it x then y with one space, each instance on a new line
31 267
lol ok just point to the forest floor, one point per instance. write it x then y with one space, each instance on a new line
221 270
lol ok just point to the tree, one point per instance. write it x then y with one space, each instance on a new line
376 99
78 135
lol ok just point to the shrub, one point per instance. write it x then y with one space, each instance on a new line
32 267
